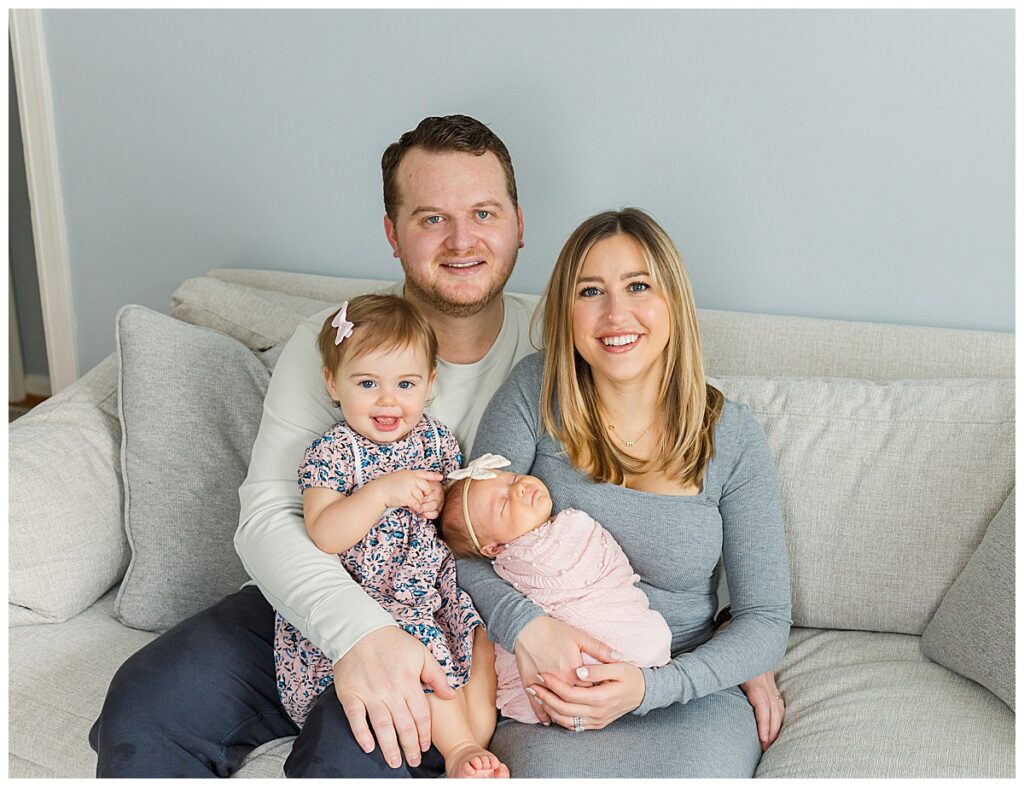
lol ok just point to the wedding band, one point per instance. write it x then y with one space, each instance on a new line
577 724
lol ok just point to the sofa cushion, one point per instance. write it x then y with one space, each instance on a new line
190 401
266 761
870 705
66 538
887 488
59 674
972 632
257 318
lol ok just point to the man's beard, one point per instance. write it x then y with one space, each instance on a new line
436 299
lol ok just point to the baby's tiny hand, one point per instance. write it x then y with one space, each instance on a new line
433 501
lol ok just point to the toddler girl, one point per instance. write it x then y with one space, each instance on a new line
568 565
370 486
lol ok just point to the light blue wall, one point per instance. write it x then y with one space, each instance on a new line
843 164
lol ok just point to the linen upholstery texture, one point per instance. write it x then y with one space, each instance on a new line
887 489
190 404
58 679
972 632
735 343
64 492
257 318
858 702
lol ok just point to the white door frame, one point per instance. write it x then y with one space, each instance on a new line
35 104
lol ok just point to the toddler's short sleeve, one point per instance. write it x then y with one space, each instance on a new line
328 463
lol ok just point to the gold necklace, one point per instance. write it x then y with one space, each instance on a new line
630 443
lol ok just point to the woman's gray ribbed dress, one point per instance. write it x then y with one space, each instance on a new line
694 720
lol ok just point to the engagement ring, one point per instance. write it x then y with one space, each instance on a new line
577 724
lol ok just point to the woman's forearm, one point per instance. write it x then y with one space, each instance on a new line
504 609
752 643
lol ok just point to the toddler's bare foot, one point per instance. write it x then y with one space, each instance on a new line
472 762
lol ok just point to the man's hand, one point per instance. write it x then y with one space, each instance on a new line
382 678
769 709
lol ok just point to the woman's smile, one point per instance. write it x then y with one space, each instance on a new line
620 319
620 343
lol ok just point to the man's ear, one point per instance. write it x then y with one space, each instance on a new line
492 550
389 231
519 212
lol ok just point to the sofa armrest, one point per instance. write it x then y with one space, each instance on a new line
67 541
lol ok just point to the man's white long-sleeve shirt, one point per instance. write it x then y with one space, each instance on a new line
308 587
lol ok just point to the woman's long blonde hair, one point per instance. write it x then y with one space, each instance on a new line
570 408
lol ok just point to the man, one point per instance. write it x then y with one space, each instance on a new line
200 697
196 700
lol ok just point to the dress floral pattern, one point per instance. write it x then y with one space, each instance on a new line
400 563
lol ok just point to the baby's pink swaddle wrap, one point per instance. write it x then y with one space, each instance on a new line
576 572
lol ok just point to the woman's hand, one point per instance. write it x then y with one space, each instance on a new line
618 689
769 708
555 648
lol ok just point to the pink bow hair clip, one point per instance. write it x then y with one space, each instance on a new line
343 325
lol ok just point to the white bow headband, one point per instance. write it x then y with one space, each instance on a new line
480 469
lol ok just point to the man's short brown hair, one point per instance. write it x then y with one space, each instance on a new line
452 133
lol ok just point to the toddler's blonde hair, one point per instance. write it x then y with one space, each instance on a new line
382 322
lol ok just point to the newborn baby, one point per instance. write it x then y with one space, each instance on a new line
568 565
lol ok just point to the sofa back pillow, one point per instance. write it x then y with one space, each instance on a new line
887 489
255 317
66 538
190 403
972 632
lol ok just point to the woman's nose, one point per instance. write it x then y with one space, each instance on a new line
615 308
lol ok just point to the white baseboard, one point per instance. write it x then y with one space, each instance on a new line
37 384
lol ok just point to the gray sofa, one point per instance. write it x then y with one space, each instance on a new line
895 449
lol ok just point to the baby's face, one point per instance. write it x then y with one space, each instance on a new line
506 507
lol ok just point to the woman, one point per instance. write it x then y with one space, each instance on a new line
616 418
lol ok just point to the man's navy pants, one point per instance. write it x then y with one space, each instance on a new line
196 700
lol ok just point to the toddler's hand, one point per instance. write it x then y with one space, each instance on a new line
411 489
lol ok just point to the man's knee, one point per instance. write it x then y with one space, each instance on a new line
327 748
196 682
207 647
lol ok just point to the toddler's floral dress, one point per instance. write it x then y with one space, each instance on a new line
401 563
